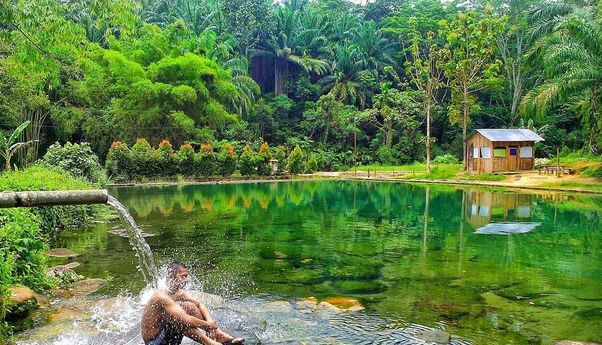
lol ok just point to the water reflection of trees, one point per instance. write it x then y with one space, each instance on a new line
399 246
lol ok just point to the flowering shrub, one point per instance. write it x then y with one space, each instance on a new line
165 159
118 162
262 160
295 162
246 162
185 160
205 161
226 160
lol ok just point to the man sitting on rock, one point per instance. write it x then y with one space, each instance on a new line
171 315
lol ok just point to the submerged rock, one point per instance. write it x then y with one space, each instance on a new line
61 253
80 289
345 303
433 336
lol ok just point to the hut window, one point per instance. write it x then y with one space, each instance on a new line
499 152
475 152
485 152
513 151
526 152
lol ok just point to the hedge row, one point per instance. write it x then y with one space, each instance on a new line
142 161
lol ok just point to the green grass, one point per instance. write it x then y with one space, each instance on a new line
421 167
438 172
577 185
484 177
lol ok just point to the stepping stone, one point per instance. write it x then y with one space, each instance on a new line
61 253
86 287
72 265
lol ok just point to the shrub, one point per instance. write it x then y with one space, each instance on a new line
446 159
262 160
246 162
142 160
280 155
165 159
312 164
205 161
226 160
78 160
185 160
118 162
295 161
47 178
386 156
22 259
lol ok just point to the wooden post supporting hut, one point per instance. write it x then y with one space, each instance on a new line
501 150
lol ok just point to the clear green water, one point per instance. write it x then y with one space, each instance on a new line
373 242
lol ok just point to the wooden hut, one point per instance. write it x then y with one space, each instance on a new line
495 150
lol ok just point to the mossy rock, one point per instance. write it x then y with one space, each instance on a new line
359 286
354 272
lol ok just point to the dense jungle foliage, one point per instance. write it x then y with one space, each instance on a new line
347 82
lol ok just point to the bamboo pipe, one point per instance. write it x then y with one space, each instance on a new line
53 198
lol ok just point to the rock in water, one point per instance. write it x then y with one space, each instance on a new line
21 301
61 253
433 336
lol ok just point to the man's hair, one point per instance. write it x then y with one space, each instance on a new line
174 266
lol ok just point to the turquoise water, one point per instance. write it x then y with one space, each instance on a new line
493 267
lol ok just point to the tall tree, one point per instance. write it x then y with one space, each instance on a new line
571 60
424 69
470 66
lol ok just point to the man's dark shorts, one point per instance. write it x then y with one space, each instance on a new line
167 336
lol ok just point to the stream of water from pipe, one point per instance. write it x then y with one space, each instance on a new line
142 249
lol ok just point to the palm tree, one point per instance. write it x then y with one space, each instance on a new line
343 82
285 48
571 58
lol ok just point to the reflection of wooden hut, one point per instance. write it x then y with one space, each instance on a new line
484 207
493 150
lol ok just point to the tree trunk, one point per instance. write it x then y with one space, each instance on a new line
279 77
466 111
428 137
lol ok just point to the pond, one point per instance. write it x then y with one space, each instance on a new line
488 266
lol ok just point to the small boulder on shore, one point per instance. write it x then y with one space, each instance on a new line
61 253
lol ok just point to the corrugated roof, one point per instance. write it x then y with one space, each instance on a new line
510 135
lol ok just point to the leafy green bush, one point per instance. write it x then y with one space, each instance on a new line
280 155
312 164
295 163
593 171
22 259
246 162
185 160
262 160
118 163
165 159
446 159
205 161
226 160
46 178
142 157
78 160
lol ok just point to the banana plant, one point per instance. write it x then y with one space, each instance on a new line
9 147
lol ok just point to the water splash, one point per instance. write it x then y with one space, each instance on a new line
141 248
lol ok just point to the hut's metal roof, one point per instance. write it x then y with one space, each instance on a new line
509 135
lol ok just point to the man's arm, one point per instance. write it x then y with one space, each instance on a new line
201 306
173 310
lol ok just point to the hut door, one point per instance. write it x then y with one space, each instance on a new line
513 158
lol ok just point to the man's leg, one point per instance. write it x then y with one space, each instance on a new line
193 310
